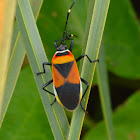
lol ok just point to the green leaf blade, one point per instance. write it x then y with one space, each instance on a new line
97 24
36 56
104 92
125 119
6 26
25 118
17 55
122 32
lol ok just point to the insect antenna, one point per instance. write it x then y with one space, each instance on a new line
68 18
66 35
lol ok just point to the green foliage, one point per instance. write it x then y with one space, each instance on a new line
102 78
51 22
125 119
98 18
25 118
36 56
6 16
17 55
122 40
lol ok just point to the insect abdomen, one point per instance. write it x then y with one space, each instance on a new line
69 95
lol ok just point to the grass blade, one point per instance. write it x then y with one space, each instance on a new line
102 78
12 76
6 25
97 24
16 60
89 17
36 56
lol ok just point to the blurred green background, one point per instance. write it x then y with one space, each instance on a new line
25 117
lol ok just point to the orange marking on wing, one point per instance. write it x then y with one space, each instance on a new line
58 79
73 76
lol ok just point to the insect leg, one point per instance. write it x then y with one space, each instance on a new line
83 108
53 102
55 44
79 58
87 84
46 86
45 63
71 45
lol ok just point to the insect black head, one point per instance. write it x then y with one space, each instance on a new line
61 47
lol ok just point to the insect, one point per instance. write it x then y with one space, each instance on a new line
67 83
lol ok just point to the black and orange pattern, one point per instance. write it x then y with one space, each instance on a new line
66 79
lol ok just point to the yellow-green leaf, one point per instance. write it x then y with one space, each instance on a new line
7 14
16 59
